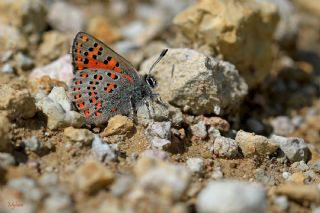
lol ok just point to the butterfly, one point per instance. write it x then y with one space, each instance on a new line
105 83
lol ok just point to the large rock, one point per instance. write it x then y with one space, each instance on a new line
232 197
197 83
29 16
234 29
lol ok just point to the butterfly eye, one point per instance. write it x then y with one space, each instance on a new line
151 81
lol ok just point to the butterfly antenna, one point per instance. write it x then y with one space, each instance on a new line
162 54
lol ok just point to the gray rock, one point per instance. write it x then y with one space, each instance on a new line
27 187
122 185
167 179
217 174
197 82
232 197
156 112
199 130
195 165
58 202
158 133
48 179
102 151
33 144
66 17
160 143
295 149
225 147
282 125
156 154
281 202
7 68
23 61
213 133
316 166
264 177
58 108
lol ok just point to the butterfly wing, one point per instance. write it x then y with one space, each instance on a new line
98 96
102 81
91 53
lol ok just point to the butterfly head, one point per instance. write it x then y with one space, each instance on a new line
150 80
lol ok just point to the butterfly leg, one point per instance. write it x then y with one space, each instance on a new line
131 110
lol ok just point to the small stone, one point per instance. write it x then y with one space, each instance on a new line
295 149
93 176
159 143
301 166
118 125
316 166
217 123
122 185
264 177
58 202
159 134
33 144
159 129
102 151
49 179
19 103
286 175
281 202
298 178
199 130
58 108
299 192
255 145
213 133
155 153
27 187
161 177
223 196
217 174
82 136
24 62
195 165
225 147
282 125
7 68
6 160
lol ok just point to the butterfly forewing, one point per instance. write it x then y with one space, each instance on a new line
88 52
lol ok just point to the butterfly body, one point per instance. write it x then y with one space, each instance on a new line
104 84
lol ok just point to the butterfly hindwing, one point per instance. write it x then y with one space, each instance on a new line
97 95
